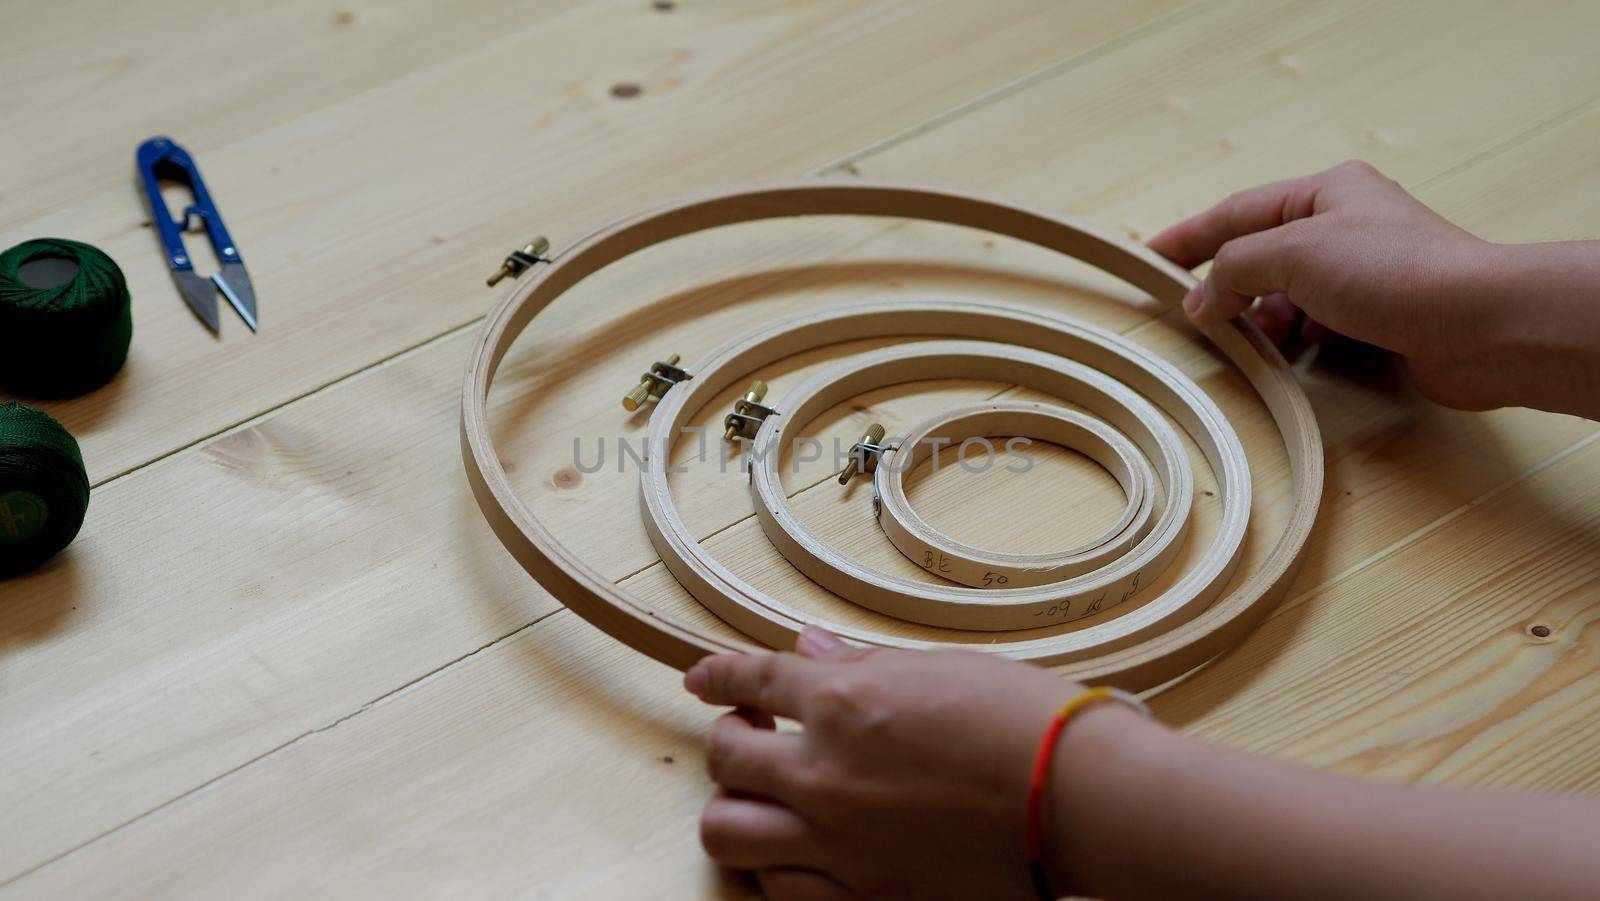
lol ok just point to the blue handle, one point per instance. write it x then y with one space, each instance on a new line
161 156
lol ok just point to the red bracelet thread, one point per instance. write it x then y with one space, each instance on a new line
1034 834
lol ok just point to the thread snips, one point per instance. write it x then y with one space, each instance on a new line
160 158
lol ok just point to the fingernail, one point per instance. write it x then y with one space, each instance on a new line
815 642
1191 301
696 678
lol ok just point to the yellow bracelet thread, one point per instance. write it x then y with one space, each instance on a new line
1081 700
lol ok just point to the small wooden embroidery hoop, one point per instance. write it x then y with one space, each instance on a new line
942 555
596 598
1032 348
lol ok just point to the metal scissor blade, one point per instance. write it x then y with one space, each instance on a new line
201 296
234 282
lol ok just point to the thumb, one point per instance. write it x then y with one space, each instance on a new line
1244 269
820 644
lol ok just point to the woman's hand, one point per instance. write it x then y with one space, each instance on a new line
909 776
908 779
1357 256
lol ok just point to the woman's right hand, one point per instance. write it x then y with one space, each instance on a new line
1349 252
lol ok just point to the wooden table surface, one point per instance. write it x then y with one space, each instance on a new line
286 655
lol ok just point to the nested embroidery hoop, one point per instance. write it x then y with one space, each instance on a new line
1146 662
1031 348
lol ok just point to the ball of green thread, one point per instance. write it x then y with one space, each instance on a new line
44 490
68 339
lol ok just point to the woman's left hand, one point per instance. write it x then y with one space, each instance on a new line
908 777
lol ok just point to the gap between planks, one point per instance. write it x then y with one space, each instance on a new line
1017 86
393 694
1516 140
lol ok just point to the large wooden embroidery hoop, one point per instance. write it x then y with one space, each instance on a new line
1147 661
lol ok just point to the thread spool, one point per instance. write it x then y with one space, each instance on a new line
44 490
65 318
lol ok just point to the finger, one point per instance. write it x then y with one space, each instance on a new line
1244 269
742 756
801 885
774 683
753 834
1314 332
820 644
1276 317
758 718
1197 239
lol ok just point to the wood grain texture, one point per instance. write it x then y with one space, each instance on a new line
264 631
369 208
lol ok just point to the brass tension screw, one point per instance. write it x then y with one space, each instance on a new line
641 392
518 262
870 443
758 390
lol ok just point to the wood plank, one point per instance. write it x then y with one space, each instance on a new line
1444 680
317 628
1245 93
369 221
583 792
138 72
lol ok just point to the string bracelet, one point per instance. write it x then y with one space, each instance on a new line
1041 770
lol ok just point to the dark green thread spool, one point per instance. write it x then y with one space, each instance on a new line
44 490
65 318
